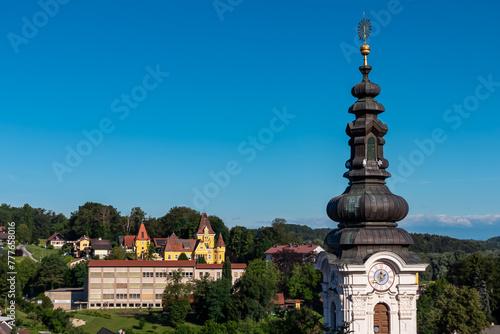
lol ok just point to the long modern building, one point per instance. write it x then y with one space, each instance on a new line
132 284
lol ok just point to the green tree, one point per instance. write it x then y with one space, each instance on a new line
26 273
58 223
151 251
27 219
481 273
117 253
445 308
95 220
304 282
52 272
200 288
241 243
183 256
137 217
23 234
254 291
216 301
303 320
226 270
176 298
181 220
79 273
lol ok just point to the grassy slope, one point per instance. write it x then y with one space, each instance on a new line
39 251
124 321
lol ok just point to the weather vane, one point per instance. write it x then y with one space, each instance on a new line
364 30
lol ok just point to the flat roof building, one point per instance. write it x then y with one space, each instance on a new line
140 283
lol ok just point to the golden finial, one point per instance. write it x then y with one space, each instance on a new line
364 30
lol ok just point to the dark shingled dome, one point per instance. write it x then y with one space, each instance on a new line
367 211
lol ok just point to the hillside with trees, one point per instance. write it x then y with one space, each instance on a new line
461 282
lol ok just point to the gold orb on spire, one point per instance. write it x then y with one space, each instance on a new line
364 30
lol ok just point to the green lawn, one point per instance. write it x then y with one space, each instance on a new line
125 318
40 251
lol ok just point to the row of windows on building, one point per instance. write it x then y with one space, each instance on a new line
130 296
125 305
146 274
125 296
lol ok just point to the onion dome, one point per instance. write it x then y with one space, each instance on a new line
367 211
367 201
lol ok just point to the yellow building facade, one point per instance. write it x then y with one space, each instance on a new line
142 242
202 246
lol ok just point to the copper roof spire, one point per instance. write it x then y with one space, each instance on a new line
367 211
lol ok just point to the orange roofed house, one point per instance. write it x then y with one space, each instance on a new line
300 249
125 284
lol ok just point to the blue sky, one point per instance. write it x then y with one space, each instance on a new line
239 107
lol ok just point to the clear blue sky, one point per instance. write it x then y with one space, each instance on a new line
174 92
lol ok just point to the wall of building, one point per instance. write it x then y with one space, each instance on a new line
140 286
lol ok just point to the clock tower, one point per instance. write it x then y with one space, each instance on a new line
370 278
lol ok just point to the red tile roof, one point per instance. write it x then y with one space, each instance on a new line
175 244
301 249
220 242
219 266
83 238
204 222
160 241
141 263
55 235
129 240
143 234
280 300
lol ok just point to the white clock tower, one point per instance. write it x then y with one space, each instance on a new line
370 278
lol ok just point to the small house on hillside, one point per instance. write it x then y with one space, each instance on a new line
101 248
129 243
82 243
57 240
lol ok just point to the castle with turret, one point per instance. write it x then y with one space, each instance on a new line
201 248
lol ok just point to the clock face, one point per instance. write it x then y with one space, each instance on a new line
381 277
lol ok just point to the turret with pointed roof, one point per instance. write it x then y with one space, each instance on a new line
142 234
220 242
220 250
205 233
204 222
142 241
